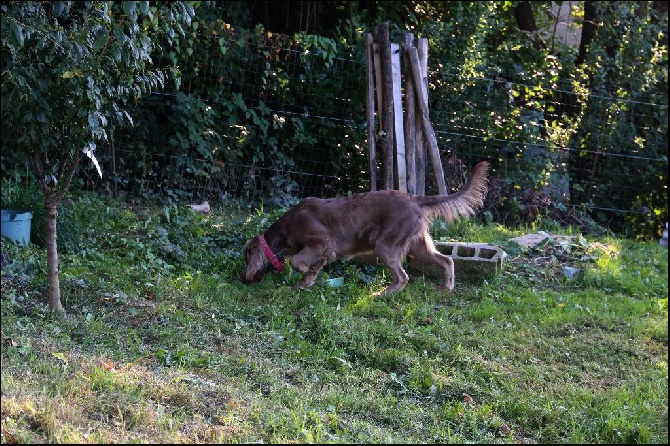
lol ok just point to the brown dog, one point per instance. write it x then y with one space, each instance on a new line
389 223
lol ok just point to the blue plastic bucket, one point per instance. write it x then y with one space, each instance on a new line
16 225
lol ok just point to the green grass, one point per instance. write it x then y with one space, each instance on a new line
163 344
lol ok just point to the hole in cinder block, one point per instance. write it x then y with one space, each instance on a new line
487 253
445 249
465 251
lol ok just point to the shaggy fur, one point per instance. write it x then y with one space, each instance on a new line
391 224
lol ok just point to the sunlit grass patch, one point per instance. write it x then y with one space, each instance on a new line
188 354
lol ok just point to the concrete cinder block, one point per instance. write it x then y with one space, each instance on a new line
472 261
475 252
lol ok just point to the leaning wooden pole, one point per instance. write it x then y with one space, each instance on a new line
420 146
428 131
370 110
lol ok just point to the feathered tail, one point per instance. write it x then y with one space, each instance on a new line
463 203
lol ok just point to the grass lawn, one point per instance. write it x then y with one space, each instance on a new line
162 343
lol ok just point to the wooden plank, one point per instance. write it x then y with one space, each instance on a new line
386 118
370 110
428 131
410 118
421 162
400 162
378 81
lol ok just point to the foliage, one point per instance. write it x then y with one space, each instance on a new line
249 113
256 114
627 61
529 121
69 69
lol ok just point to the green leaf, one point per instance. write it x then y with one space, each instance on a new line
71 73
101 37
144 7
59 7
93 120
130 9
17 33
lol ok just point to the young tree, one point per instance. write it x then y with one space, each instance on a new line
68 68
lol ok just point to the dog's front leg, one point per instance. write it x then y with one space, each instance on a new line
309 262
306 281
400 278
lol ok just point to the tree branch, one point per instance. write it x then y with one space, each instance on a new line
66 176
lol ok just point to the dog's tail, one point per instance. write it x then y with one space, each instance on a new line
463 203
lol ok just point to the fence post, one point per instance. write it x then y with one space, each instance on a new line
370 110
381 33
401 168
420 151
410 120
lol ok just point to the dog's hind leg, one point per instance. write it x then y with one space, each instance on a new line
424 248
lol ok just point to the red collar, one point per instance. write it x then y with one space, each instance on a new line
279 266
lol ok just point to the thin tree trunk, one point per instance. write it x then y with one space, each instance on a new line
420 144
370 109
410 119
53 194
50 224
589 29
525 20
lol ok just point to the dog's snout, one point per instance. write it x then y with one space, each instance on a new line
249 279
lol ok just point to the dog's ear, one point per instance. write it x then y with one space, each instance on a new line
255 261
246 248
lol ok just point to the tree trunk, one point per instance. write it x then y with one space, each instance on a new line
589 29
50 224
579 161
53 193
525 20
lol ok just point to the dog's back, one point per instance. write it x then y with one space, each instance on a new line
386 205
358 221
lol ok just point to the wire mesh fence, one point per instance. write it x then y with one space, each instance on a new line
297 120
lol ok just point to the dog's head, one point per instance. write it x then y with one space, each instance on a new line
256 263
